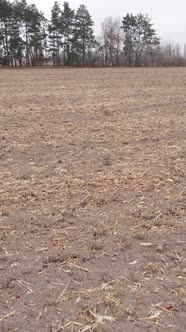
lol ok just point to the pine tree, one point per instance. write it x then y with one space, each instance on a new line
139 36
5 23
34 34
55 33
17 43
83 34
67 27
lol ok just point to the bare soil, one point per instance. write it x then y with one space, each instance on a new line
93 200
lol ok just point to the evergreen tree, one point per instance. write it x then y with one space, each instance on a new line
5 23
139 36
55 30
68 16
17 43
21 32
83 40
34 34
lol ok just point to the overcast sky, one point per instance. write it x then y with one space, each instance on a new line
168 16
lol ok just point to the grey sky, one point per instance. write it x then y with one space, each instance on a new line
168 16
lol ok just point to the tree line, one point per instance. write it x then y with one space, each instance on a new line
28 38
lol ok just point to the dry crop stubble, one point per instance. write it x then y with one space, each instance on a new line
92 223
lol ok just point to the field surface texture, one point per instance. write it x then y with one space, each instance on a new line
93 200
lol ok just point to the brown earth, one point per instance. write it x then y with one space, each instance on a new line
93 200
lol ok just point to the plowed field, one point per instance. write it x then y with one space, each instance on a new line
93 200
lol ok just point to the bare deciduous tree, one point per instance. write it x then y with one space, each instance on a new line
111 40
